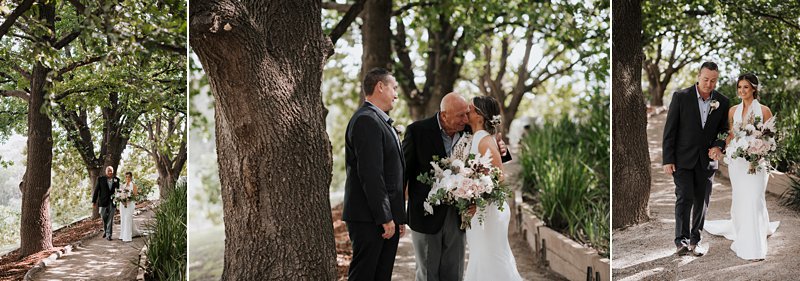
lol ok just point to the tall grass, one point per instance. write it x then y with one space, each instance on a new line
166 246
566 169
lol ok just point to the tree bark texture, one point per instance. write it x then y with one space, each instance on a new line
264 64
631 164
36 233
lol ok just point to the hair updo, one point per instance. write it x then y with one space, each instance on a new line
489 109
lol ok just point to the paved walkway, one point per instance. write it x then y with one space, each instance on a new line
100 259
646 251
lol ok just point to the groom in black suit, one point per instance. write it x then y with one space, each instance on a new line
438 240
373 197
102 197
691 151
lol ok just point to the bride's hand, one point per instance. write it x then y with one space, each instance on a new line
714 153
472 209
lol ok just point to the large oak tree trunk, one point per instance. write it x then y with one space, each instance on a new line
36 233
264 64
654 85
94 173
631 165
377 37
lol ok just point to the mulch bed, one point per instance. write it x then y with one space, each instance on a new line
14 267
344 249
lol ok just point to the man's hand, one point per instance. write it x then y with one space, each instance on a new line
715 153
388 229
669 169
402 230
501 144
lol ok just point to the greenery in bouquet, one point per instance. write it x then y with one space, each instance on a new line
463 184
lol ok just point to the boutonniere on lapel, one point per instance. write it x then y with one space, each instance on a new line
714 105
399 129
116 180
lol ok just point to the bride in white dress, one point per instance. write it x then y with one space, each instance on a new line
490 256
749 225
128 228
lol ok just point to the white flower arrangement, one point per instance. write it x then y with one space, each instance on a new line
400 129
754 140
496 120
464 182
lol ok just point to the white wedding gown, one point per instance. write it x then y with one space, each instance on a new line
127 226
749 225
490 256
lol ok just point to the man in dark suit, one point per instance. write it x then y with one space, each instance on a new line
691 152
438 239
373 199
102 196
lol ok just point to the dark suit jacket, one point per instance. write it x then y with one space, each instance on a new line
102 194
374 187
685 139
423 140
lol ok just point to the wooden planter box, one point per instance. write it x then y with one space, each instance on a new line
564 256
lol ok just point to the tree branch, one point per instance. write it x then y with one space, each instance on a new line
66 93
77 64
150 44
406 66
409 6
15 93
348 18
771 16
12 18
342 8
22 72
142 148
61 43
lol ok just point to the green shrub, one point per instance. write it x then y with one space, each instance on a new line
565 167
791 197
166 245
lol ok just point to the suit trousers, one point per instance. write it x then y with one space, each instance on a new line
693 191
440 256
107 213
373 256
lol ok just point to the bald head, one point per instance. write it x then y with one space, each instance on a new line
453 113
452 101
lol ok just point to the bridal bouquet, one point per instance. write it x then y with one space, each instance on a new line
122 196
464 183
754 141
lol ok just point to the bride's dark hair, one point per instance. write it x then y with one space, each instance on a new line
753 79
488 108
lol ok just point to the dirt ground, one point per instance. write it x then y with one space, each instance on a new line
646 251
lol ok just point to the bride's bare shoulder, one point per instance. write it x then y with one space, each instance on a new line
766 111
487 141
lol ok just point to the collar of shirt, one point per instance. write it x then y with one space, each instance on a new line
697 91
380 112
